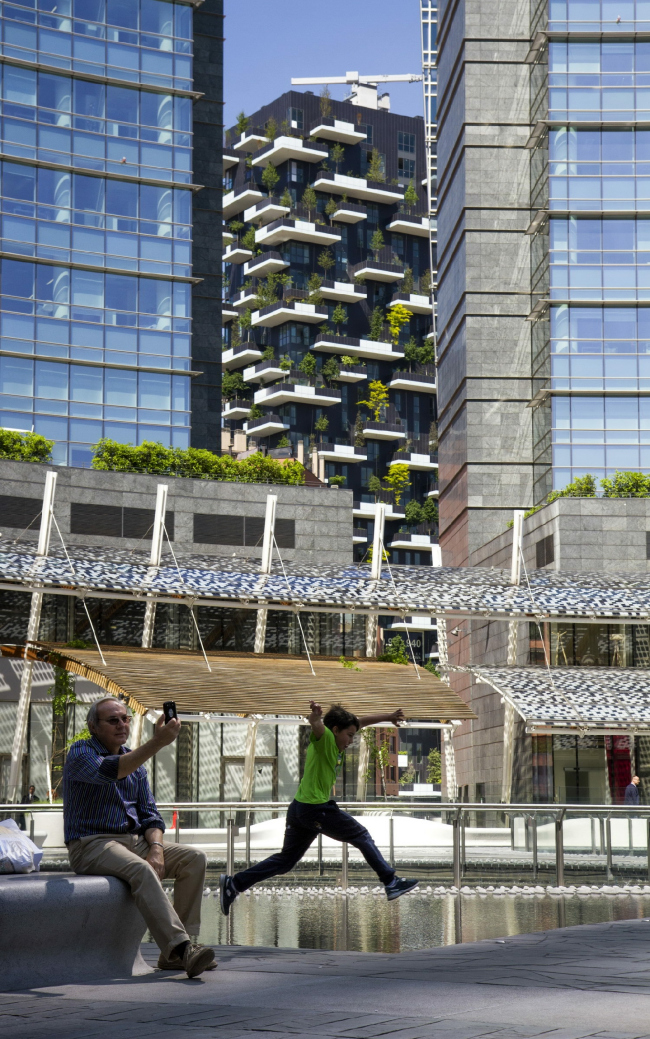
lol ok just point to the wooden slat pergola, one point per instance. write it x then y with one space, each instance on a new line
254 684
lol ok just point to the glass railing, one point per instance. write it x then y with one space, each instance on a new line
553 844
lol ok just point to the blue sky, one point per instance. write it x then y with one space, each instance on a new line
268 43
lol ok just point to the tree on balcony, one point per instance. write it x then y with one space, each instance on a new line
270 178
407 280
255 412
377 243
410 197
414 513
430 511
376 324
330 209
309 199
397 480
313 287
233 385
337 154
243 123
330 369
374 485
378 399
286 364
325 261
325 103
308 366
236 226
397 317
425 283
321 425
339 317
375 169
267 290
271 129
359 439
244 323
286 199
248 240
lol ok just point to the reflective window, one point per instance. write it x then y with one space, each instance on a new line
598 80
596 15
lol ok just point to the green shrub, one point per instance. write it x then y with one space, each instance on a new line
194 462
24 447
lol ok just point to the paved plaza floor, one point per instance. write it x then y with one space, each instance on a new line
565 984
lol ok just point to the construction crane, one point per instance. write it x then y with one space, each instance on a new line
363 88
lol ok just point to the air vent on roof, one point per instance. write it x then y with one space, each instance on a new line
19 512
114 521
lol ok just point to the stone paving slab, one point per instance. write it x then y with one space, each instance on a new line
589 982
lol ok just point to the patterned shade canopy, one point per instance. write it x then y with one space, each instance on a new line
597 699
401 591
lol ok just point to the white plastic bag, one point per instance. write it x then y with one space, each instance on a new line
17 853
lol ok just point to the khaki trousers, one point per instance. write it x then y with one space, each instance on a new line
123 855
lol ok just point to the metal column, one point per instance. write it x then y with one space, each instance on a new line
559 848
513 630
157 542
24 700
267 558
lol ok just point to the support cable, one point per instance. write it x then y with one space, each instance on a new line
408 634
297 613
190 603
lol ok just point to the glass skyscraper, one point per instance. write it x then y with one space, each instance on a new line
97 214
591 254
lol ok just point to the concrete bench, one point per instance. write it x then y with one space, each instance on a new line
60 928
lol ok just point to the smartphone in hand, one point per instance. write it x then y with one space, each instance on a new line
169 710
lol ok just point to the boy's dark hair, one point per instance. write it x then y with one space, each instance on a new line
337 715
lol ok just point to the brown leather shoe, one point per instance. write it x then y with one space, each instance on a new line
174 962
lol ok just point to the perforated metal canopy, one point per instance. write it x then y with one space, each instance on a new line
402 590
255 684
574 699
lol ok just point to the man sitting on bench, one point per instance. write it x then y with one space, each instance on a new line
112 828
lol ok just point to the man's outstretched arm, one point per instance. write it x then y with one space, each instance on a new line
374 719
163 735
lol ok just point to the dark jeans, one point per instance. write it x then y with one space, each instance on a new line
304 823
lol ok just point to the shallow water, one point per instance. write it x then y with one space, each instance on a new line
363 921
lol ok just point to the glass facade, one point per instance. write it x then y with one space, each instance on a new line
96 211
594 267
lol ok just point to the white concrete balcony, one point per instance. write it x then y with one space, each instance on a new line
377 270
297 231
403 223
239 356
337 130
236 253
227 236
290 393
367 348
345 291
228 314
266 427
434 493
375 430
280 313
358 187
266 211
264 264
413 381
265 371
413 301
350 213
359 536
244 298
284 148
417 461
416 541
250 142
366 510
235 409
352 373
341 453
237 203
229 160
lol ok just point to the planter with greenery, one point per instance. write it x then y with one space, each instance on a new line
194 463
24 447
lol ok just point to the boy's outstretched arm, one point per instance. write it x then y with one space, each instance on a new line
315 719
373 719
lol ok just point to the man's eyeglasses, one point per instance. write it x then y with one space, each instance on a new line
124 719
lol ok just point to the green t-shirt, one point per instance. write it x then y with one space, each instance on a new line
323 762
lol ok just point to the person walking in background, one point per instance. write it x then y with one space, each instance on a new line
314 811
632 791
28 799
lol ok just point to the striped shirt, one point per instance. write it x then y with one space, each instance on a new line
96 801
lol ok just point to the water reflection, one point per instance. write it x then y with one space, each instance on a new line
365 922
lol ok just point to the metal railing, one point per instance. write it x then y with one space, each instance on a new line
519 825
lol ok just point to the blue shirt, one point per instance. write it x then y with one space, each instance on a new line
96 801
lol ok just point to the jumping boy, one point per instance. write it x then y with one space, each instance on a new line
314 811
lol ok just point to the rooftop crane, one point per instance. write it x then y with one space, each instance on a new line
363 88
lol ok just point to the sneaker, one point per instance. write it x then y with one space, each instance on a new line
175 962
399 886
196 959
228 893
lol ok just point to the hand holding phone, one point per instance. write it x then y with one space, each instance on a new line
169 710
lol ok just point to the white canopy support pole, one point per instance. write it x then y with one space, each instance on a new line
249 759
375 574
362 777
24 700
157 541
450 763
513 632
267 559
